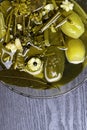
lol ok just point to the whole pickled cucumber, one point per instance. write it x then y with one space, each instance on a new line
54 65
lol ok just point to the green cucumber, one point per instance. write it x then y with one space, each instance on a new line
54 65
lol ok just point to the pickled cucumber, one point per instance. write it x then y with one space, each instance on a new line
54 65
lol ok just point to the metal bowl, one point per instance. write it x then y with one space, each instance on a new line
54 92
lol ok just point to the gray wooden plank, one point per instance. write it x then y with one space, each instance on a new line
85 103
68 112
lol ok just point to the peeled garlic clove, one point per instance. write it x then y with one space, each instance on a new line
74 27
11 47
49 7
76 51
18 44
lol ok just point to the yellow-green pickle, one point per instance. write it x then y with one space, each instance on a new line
54 65
43 43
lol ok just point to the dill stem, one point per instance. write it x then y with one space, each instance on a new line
46 37
15 24
54 3
53 20
23 24
8 26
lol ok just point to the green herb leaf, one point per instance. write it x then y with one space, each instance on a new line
5 7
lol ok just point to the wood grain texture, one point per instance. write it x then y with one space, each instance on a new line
68 112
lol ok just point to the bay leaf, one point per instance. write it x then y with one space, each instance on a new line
22 79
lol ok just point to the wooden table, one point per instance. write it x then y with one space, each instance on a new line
68 112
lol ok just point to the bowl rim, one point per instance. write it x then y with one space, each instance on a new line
44 97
